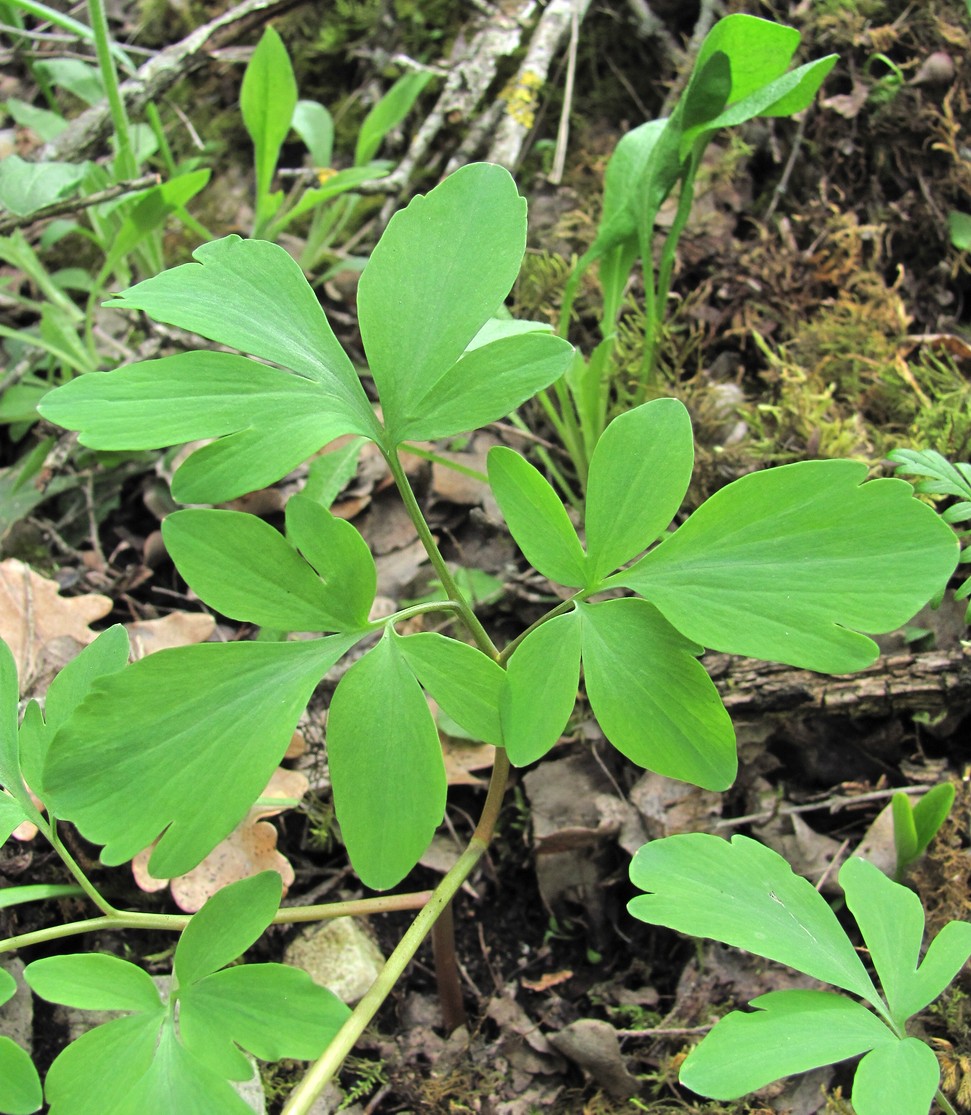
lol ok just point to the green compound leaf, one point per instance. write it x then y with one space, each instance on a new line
791 563
230 921
421 299
540 689
153 752
536 517
652 697
385 764
270 1010
267 421
339 554
790 1032
747 896
251 295
20 1090
901 1077
891 919
94 981
639 474
245 569
465 682
487 383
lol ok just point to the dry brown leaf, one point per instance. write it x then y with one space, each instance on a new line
179 629
461 759
249 849
33 615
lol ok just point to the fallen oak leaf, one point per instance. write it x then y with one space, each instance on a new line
33 614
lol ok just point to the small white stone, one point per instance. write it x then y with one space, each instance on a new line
339 954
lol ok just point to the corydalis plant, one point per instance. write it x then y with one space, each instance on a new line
747 896
792 564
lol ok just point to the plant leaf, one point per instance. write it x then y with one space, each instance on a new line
745 895
891 920
245 569
790 563
95 1074
419 273
267 99
314 124
536 517
901 1077
790 1032
26 187
652 697
904 830
639 474
94 981
486 384
465 682
251 295
274 421
388 113
386 766
9 745
106 655
339 554
271 1010
12 814
176 1081
930 813
20 1090
8 986
945 957
226 926
540 690
152 750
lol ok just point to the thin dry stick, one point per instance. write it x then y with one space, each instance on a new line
563 130
75 204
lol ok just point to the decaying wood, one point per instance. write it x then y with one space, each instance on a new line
933 682
89 131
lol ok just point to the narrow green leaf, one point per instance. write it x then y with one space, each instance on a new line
901 1077
419 273
315 126
340 556
891 920
252 295
20 1090
388 113
536 517
465 682
639 474
270 1010
540 690
386 766
37 892
790 563
267 99
330 472
904 831
790 1032
486 384
180 744
94 981
245 569
945 957
95 1074
106 655
745 895
930 813
8 986
226 926
652 697
274 421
